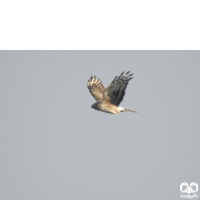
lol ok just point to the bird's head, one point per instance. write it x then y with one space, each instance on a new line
94 106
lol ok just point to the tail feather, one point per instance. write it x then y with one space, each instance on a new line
127 110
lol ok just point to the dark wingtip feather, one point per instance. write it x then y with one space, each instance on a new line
130 74
127 72
121 74
115 78
130 78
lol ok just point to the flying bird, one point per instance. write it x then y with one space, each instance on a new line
108 99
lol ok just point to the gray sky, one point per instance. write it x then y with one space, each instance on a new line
53 146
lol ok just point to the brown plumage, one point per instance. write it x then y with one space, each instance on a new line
108 99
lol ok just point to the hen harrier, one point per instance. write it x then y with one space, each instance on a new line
108 100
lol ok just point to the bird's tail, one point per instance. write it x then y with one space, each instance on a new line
127 110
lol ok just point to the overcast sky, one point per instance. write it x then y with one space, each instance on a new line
53 146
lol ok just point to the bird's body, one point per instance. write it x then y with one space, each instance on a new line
108 99
108 108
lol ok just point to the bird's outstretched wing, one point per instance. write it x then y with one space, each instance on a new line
115 92
96 88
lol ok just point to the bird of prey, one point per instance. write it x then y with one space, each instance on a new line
108 99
